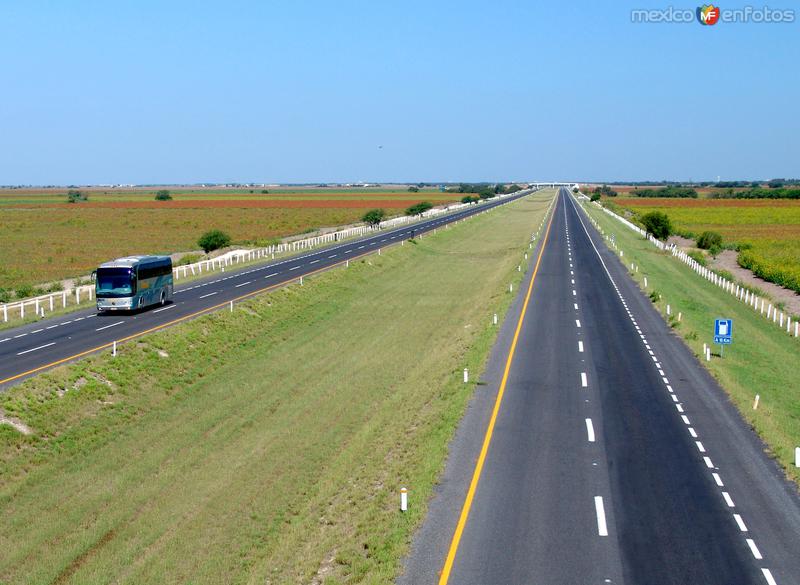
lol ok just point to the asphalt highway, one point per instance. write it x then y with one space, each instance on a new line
32 348
600 450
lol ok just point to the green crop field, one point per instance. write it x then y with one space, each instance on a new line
204 454
768 230
763 359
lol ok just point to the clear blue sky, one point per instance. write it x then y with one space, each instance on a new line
298 91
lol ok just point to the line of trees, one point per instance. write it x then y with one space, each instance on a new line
670 191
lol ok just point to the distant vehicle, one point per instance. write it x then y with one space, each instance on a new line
133 282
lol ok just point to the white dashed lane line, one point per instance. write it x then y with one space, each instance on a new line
679 407
600 511
36 348
208 295
589 430
165 308
112 325
243 284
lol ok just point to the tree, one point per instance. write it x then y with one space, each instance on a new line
595 197
264 191
486 193
74 196
658 224
213 240
419 208
163 195
374 217
469 199
413 189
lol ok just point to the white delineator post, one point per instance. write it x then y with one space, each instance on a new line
231 306
755 402
114 349
797 456
495 320
510 288
645 282
466 375
403 499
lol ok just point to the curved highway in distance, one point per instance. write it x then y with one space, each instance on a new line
32 348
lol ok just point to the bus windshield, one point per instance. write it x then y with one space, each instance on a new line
115 282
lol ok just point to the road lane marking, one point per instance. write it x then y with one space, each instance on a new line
580 346
473 486
584 382
693 432
332 256
717 479
754 549
740 522
576 306
578 323
728 499
35 348
208 295
6 339
37 331
313 261
243 284
590 430
602 528
20 335
708 462
271 275
107 326
768 577
165 308
700 446
294 267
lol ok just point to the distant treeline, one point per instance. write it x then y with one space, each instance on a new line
759 193
671 191
483 189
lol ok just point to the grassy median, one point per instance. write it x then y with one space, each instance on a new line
267 445
762 360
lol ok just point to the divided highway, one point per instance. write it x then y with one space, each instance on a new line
32 348
600 451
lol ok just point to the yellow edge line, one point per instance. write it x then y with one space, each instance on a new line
487 439
200 312
185 317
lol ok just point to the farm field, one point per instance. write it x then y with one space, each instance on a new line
769 229
204 454
43 238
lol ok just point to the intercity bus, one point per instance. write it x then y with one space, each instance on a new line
133 282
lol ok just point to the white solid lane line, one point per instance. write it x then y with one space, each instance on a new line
112 325
754 549
208 295
602 529
165 308
243 284
590 430
35 348
584 382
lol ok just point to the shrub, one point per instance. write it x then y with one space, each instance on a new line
373 217
605 190
595 197
264 191
5 295
470 199
658 224
24 291
213 240
76 196
419 208
486 193
163 195
709 240
699 257
655 296
413 189
188 259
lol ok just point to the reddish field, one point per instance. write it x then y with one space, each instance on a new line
43 239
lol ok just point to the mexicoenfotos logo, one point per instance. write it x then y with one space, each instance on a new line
707 14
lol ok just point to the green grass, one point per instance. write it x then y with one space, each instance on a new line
762 360
264 445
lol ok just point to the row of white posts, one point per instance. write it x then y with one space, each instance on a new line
758 304
38 305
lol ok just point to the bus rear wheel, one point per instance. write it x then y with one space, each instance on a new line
163 298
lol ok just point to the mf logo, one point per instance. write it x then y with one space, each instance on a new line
708 14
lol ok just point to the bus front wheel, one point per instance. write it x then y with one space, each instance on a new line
163 298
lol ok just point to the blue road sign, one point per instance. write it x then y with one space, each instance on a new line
723 331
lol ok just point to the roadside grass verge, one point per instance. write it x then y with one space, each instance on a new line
762 360
267 445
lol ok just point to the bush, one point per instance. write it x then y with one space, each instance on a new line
188 259
76 196
655 296
669 191
698 257
373 217
708 240
24 291
163 195
413 189
5 295
470 199
595 197
213 240
658 224
605 190
264 191
419 208
486 193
